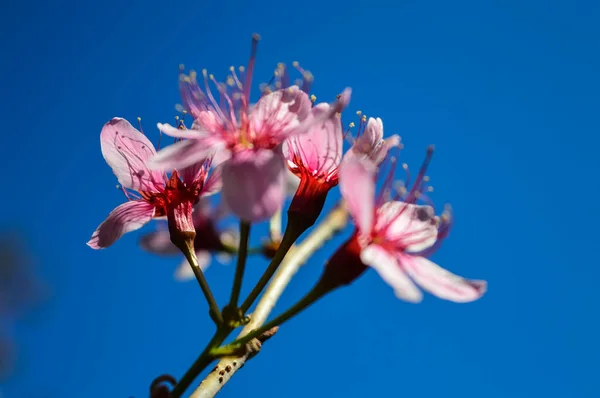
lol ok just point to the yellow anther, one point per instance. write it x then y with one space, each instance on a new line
241 69
313 97
404 166
426 178
280 65
429 189
192 75
308 76
230 81
176 117
231 68
363 118
359 113
211 76
295 64
204 72
184 112
351 124
139 119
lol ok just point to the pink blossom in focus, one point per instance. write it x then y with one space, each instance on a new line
395 237
315 158
247 139
151 194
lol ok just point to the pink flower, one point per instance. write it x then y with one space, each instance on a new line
371 143
315 158
126 151
207 240
246 138
394 237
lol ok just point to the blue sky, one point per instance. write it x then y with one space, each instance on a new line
506 90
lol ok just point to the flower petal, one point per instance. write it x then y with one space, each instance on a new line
315 118
412 227
185 153
124 218
279 112
372 144
320 149
214 182
159 242
194 133
185 273
253 184
357 185
390 271
440 282
126 151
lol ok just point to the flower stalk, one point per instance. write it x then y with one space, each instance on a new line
190 255
233 315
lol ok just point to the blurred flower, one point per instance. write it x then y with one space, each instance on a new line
394 237
126 151
246 139
207 240
20 291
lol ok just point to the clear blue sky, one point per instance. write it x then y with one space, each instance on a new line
508 91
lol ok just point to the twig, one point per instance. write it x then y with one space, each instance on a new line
295 258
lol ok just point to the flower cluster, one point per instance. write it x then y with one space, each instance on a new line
242 149
251 153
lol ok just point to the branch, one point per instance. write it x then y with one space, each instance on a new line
295 258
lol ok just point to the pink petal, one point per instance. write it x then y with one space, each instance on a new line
124 218
181 133
159 242
320 149
184 272
412 227
214 182
279 112
185 153
390 271
313 119
126 151
372 136
357 185
440 282
253 184
372 144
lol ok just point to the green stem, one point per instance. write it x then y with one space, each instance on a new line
289 237
201 362
215 312
241 263
315 294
